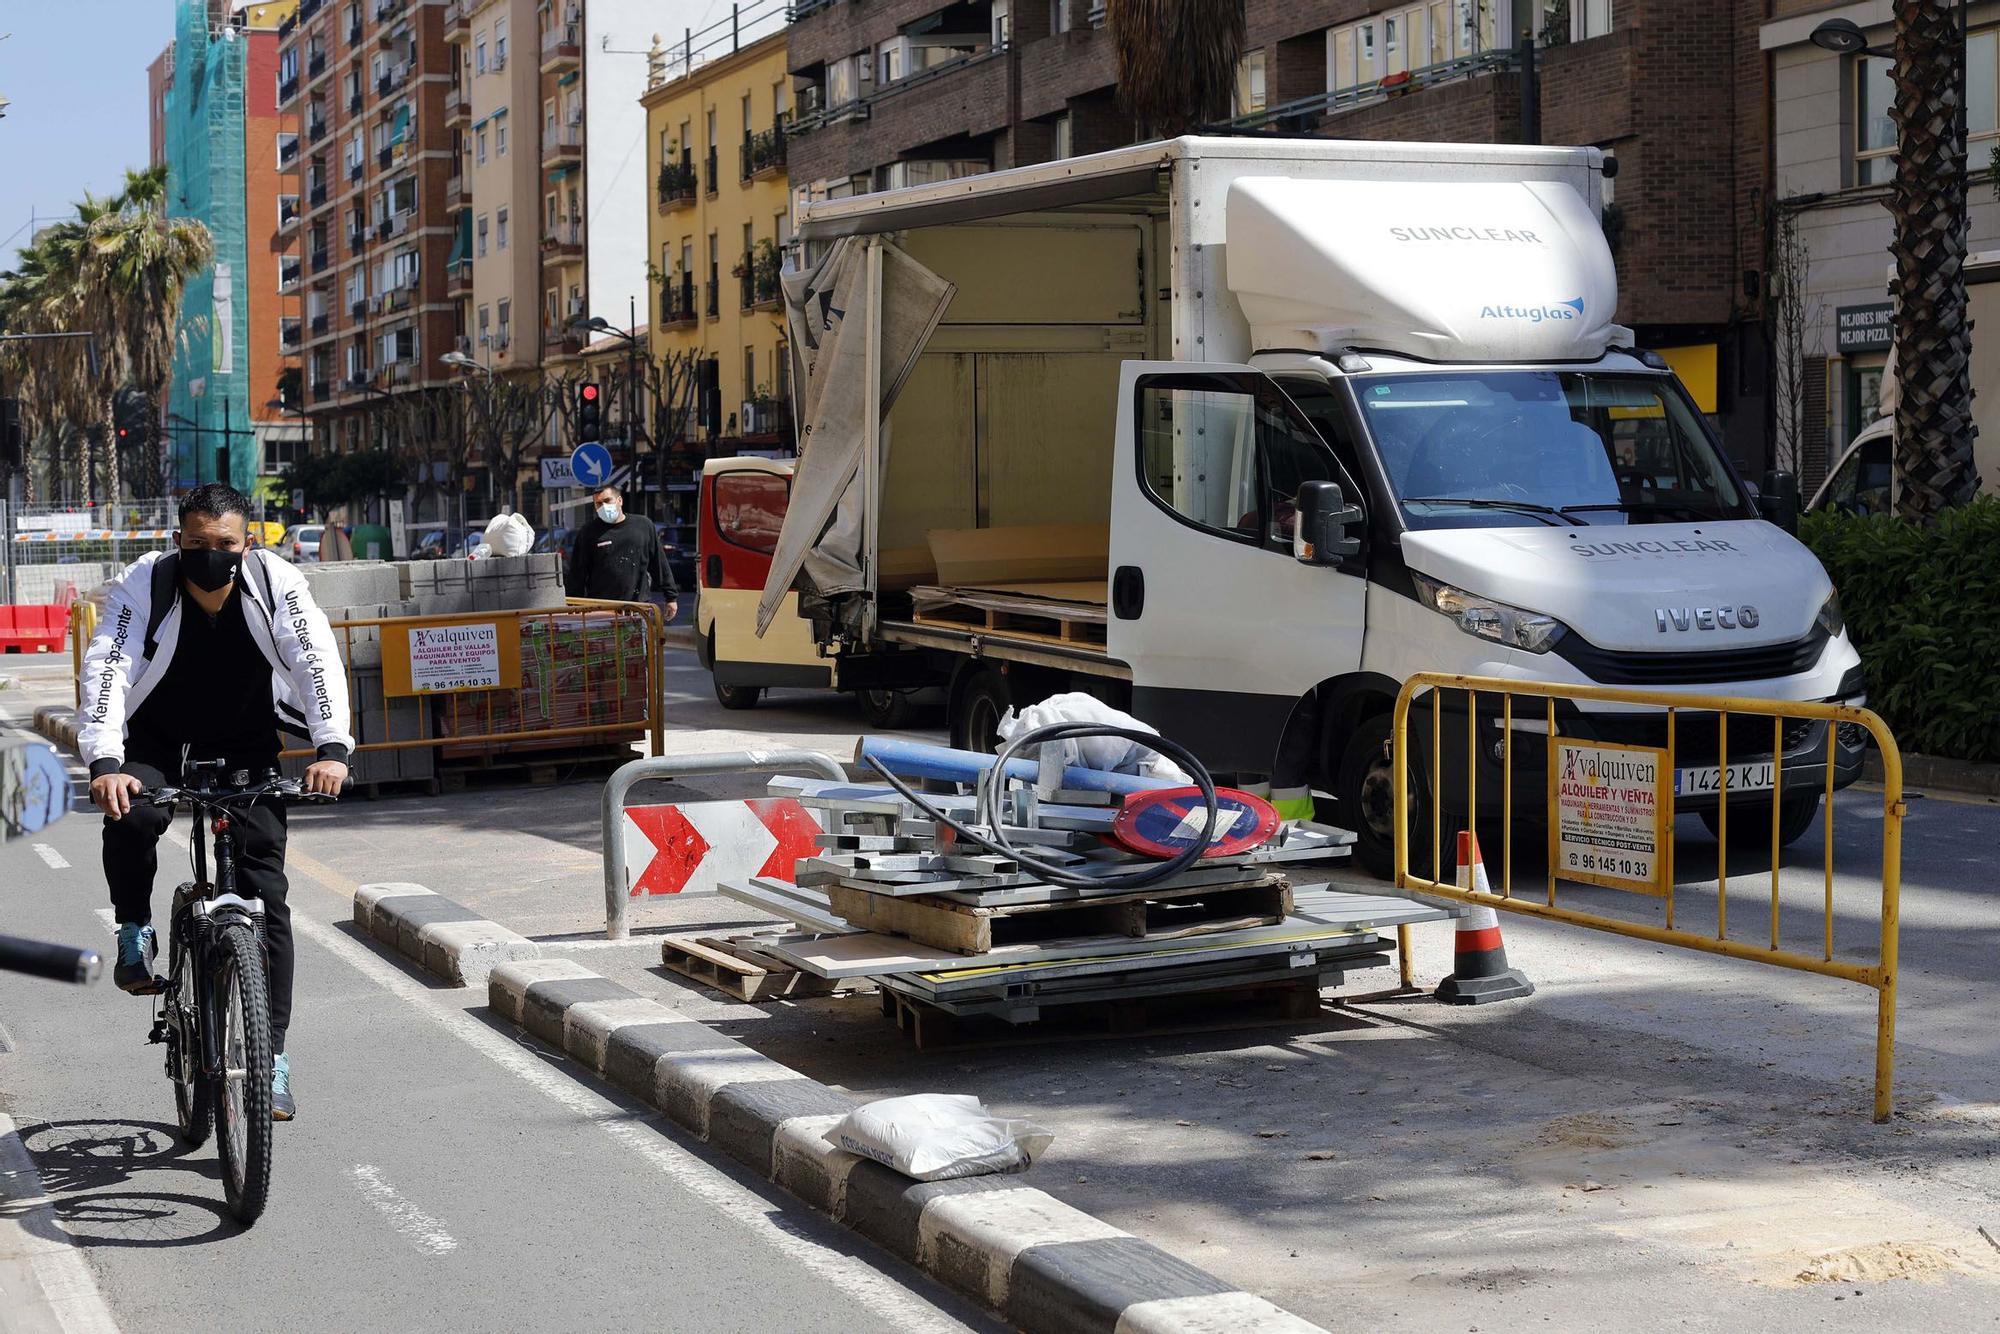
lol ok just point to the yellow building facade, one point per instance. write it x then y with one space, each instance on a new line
720 218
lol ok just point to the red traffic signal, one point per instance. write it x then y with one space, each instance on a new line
587 424
589 393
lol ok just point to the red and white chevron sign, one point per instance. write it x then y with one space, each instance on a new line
688 848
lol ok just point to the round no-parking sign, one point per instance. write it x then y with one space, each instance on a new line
1163 823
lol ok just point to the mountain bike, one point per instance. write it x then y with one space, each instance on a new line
215 1001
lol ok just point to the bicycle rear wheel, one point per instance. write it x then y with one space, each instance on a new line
194 1103
243 1102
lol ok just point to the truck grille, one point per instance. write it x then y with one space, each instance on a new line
1697 738
1618 667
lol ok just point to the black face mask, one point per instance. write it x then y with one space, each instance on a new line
209 569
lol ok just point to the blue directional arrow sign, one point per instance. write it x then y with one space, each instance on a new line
591 465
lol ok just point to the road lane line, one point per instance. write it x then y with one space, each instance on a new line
44 1281
53 859
108 919
887 1298
419 1228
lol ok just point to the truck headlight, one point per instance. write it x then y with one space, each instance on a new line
1829 618
1487 619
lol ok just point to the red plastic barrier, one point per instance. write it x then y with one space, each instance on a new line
33 627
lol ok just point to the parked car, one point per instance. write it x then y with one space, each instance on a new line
1864 479
300 543
266 533
440 543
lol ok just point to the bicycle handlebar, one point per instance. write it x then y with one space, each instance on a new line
58 963
286 789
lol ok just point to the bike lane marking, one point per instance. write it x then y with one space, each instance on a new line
45 1283
423 1231
887 1298
50 857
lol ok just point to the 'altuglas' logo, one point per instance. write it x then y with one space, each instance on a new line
1565 310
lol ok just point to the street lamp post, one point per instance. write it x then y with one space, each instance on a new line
460 361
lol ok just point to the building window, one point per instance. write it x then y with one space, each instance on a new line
1874 132
1249 96
506 317
549 120
749 372
1003 22
500 44
780 100
1410 37
479 139
1058 15
1065 137
892 60
479 56
841 85
500 227
479 247
500 137
711 129
550 201
483 323
1591 18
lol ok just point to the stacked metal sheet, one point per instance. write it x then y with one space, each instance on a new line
895 896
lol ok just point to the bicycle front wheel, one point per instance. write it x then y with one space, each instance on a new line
193 1095
243 1104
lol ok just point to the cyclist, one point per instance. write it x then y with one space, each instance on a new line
205 652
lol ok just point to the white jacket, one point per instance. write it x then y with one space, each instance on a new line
128 655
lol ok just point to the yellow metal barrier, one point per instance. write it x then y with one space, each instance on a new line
467 719
82 625
1880 974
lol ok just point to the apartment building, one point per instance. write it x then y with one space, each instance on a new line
159 82
720 218
910 92
217 128
371 226
499 173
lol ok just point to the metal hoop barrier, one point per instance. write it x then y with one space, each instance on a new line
82 626
1602 841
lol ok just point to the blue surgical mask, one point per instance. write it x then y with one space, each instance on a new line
608 512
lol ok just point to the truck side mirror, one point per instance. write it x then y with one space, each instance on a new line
1320 537
1778 499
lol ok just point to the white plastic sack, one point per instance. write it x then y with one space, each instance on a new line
937 1136
1110 753
510 535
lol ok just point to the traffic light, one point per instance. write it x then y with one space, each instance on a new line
128 416
13 448
587 402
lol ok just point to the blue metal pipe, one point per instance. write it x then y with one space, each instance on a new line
915 759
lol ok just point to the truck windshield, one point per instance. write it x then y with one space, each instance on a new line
1491 449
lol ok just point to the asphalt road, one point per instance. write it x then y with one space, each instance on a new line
442 1174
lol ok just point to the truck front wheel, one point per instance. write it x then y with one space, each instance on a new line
975 723
1364 792
1751 820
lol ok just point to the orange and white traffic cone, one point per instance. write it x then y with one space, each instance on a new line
1479 971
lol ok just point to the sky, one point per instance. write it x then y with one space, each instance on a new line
74 73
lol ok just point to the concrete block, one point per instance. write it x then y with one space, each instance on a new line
354 583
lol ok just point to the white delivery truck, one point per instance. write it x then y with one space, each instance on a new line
1240 433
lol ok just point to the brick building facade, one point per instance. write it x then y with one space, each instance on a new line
904 92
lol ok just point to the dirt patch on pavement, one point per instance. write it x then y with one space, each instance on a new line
1885 1260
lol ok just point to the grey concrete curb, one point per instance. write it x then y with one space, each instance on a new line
443 937
1965 777
57 723
1037 1262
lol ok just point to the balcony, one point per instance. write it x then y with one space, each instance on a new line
356 240
320 324
354 33
714 306
354 104
458 278
565 145
316 196
562 338
315 65
757 278
564 240
321 391
457 24
677 184
288 89
288 153
764 153
316 129
454 185
457 106
319 260
388 9
290 271
288 213
384 156
561 48
288 335
677 303
354 170
770 417
714 176
357 310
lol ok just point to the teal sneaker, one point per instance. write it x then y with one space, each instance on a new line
282 1106
136 951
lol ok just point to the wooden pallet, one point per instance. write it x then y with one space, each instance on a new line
1148 915
735 966
1013 615
537 769
1254 1006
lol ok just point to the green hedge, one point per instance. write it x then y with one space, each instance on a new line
1923 606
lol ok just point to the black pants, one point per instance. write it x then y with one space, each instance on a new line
131 860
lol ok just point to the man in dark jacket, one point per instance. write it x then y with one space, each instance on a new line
617 556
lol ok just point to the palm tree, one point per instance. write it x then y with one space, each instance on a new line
1177 60
140 263
1933 334
117 271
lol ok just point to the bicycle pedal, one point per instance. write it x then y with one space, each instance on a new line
159 1033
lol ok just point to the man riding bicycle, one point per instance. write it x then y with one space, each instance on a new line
205 652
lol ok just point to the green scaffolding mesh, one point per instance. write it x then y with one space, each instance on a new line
211 394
